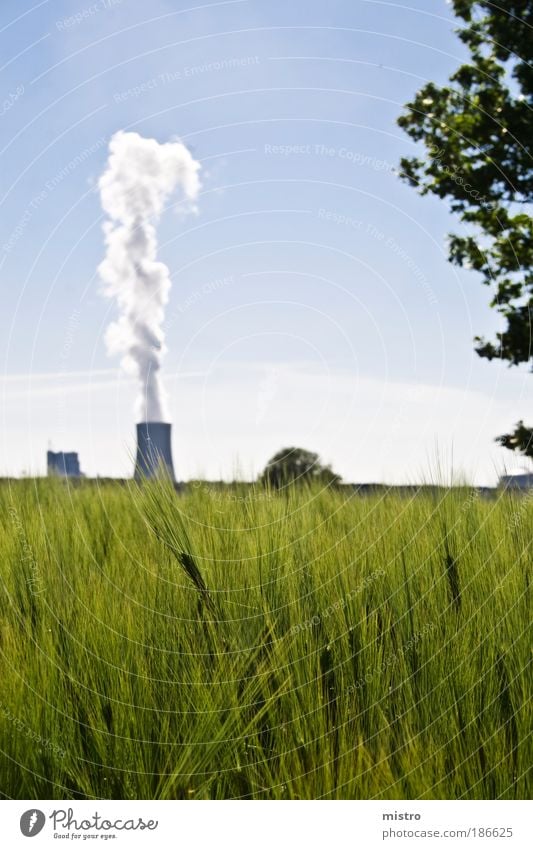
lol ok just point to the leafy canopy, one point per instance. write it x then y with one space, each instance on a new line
478 132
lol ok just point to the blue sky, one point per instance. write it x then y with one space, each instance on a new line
312 301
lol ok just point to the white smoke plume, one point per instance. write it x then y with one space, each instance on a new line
140 176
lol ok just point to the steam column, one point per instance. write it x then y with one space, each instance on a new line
154 451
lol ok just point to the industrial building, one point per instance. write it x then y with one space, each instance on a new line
524 481
63 464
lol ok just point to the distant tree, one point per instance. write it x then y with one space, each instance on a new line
478 133
296 465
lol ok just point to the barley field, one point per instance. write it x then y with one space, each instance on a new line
230 642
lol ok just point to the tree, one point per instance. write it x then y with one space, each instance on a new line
296 465
478 133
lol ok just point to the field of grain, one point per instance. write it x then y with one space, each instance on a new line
235 643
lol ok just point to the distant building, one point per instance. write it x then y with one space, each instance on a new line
524 481
63 463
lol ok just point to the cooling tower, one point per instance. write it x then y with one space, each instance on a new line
154 452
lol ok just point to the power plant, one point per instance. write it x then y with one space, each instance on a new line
138 180
63 464
154 451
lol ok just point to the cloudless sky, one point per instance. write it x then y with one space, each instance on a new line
312 300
